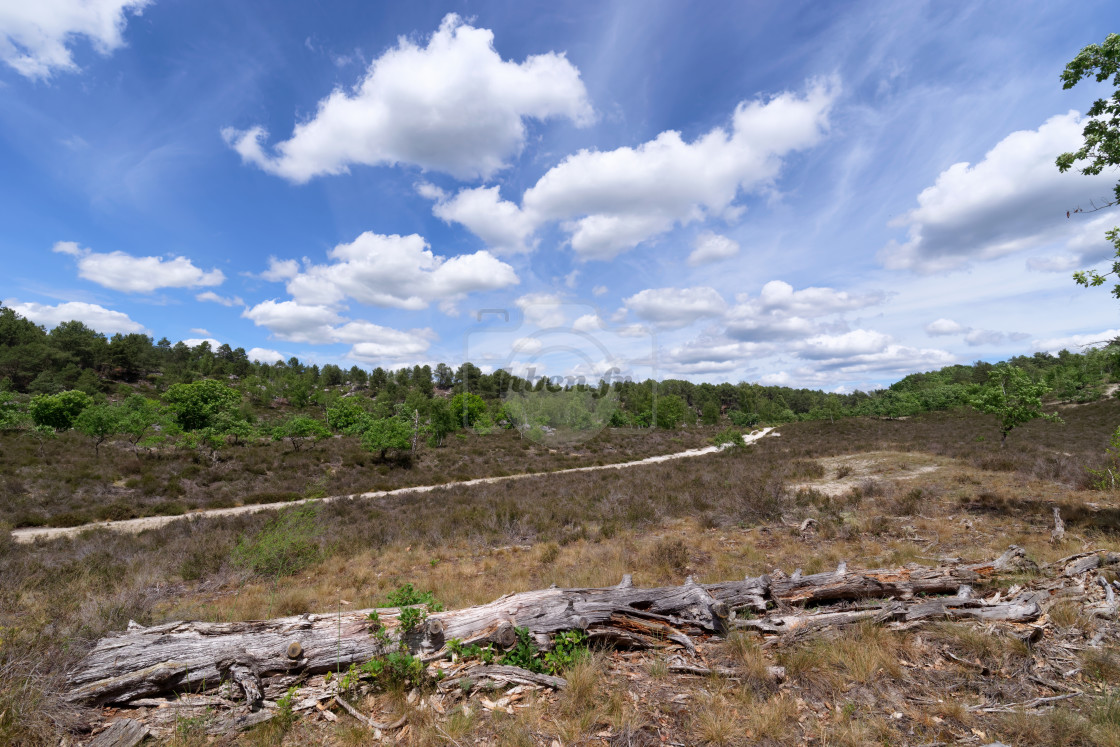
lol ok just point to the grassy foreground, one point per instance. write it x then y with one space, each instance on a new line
883 493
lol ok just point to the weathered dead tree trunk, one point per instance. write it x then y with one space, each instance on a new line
263 657
903 583
900 614
192 655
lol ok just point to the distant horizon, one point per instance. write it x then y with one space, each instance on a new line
610 376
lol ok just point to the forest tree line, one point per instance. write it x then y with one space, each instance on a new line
152 391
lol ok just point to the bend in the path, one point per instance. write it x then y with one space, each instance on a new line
154 522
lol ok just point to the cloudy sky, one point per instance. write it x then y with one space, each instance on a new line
813 194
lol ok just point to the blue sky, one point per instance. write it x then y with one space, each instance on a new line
812 194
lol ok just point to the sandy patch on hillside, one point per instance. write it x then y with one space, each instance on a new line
842 473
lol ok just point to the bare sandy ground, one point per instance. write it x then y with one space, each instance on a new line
154 522
859 467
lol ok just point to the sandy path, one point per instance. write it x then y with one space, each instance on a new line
154 522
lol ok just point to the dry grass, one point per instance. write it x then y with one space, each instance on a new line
715 518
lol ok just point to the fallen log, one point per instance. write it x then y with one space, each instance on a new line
123 732
263 657
187 656
900 614
896 582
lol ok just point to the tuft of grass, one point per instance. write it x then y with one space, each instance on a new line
669 555
584 676
1054 728
714 721
861 654
771 719
750 660
1101 664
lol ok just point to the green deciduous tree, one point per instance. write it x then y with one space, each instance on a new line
139 416
1101 146
468 408
671 411
300 431
59 411
441 421
99 422
198 404
1012 397
349 415
11 414
388 434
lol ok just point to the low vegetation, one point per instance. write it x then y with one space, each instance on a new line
95 429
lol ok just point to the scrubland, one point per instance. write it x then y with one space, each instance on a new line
882 492
62 481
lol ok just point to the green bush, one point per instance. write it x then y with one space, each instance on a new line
743 419
286 545
59 411
198 404
349 416
730 436
568 648
407 595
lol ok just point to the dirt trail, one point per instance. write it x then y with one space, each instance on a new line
154 522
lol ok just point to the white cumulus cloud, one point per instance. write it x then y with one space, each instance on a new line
264 355
212 297
1014 199
96 317
711 247
453 105
782 313
293 321
194 342
611 201
393 271
501 224
321 325
1077 342
124 272
940 327
36 35
676 307
866 351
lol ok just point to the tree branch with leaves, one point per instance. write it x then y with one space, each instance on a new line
1101 146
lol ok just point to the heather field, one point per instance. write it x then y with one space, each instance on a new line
63 481
881 493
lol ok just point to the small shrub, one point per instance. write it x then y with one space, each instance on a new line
568 648
286 545
271 496
117 511
729 436
1105 478
406 595
909 504
410 618
524 652
551 551
284 715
